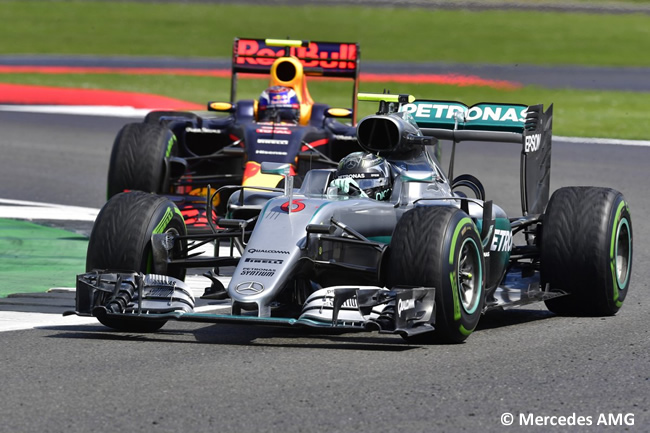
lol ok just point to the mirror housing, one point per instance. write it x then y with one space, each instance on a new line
221 107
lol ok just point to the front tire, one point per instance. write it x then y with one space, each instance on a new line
121 240
586 250
439 246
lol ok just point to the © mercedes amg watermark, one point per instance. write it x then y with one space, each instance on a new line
574 419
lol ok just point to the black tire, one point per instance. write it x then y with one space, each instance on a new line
121 240
439 246
138 158
155 116
470 182
586 250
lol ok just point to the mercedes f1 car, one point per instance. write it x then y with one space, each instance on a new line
180 153
424 264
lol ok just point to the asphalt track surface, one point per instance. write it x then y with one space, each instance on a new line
198 377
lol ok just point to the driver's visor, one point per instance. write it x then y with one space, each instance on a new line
367 180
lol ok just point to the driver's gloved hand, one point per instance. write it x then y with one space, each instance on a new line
347 185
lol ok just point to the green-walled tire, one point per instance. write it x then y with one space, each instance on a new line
439 246
121 240
586 250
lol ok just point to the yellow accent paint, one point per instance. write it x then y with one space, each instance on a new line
388 97
203 192
221 106
283 42
261 179
339 112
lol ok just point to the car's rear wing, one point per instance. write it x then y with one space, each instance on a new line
494 122
328 59
324 59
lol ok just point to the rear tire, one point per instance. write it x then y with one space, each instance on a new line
439 246
138 158
586 250
121 240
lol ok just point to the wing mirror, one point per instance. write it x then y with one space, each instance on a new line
282 169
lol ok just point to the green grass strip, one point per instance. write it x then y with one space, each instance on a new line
34 258
385 33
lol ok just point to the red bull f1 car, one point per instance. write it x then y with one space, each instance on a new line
424 264
181 153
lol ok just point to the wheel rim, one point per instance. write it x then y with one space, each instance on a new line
175 252
622 253
469 276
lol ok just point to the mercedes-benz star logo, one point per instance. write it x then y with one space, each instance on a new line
249 287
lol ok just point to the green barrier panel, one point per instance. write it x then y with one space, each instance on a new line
35 258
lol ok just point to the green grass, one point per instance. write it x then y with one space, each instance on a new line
195 29
389 34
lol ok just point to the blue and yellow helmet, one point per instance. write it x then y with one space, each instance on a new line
278 104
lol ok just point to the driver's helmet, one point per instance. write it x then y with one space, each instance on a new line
278 104
371 172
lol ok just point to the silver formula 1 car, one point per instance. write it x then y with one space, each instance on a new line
424 264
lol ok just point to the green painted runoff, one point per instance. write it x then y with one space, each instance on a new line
35 258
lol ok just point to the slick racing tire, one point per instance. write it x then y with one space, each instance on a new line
439 246
138 158
121 240
586 250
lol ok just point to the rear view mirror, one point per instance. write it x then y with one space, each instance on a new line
223 107
344 113
279 168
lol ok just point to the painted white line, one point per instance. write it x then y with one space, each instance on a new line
610 141
16 320
42 213
38 203
19 209
84 110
